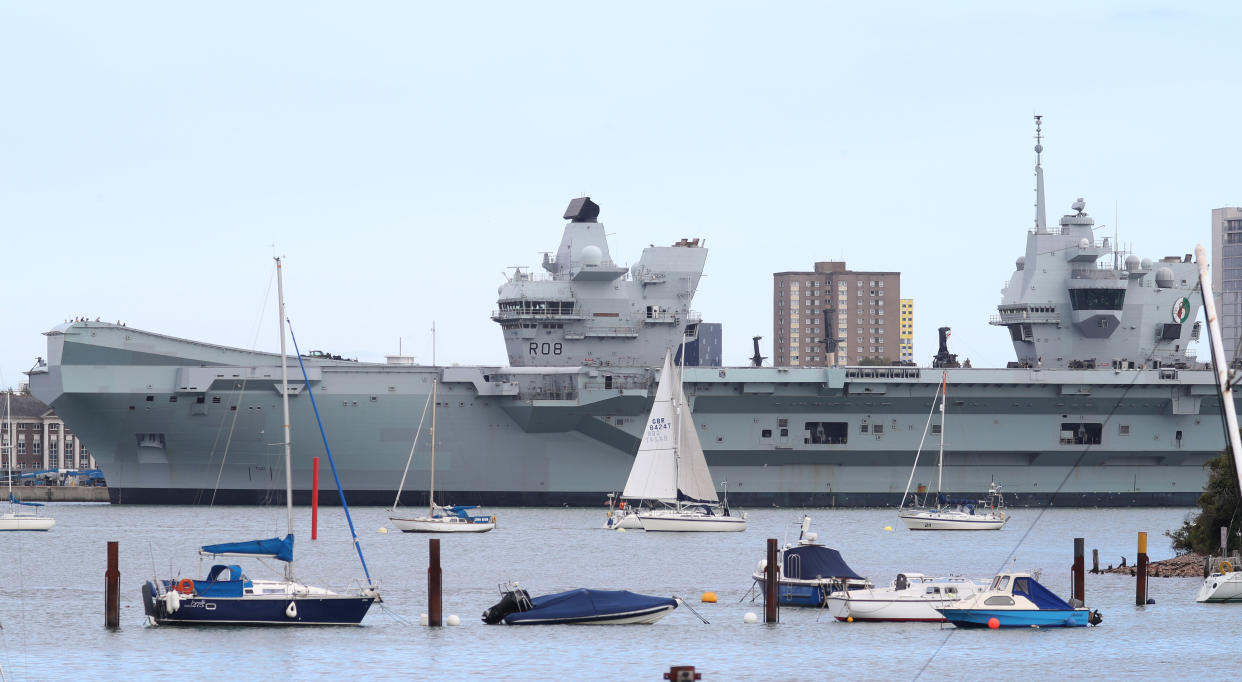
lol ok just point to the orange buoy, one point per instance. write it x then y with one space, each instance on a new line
993 623
709 597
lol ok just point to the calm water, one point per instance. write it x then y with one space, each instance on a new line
51 601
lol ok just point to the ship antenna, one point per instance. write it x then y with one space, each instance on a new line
1041 223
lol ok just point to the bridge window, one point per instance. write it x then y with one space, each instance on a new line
1097 299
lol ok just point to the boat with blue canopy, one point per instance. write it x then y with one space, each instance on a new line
809 571
1018 600
227 596
577 607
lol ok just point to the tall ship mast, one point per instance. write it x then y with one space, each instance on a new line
1103 403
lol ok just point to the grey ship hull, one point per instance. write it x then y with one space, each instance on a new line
172 421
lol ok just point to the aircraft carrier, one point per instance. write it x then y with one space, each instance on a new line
1103 404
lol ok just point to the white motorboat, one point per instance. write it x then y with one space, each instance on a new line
439 519
1223 585
943 512
670 469
21 515
910 597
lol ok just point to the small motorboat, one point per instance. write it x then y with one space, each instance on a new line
1017 600
577 607
1223 584
911 597
809 571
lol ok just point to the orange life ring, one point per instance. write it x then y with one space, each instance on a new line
185 586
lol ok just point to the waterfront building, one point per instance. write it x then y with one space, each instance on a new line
40 440
907 330
1227 273
835 316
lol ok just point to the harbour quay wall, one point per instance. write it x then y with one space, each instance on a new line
58 493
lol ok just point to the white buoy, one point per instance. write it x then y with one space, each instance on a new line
750 618
453 620
423 619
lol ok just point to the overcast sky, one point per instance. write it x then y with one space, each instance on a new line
155 156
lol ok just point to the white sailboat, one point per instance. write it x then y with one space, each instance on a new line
21 515
455 519
670 468
1223 583
941 512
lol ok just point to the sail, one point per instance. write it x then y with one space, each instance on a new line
694 481
272 547
653 476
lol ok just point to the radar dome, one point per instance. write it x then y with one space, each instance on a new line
1021 262
591 255
1164 278
1132 263
1146 263
1084 243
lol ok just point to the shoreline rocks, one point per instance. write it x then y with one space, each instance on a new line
1183 566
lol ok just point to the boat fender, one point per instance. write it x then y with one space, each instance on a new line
172 601
185 586
292 611
1226 567
763 564
493 518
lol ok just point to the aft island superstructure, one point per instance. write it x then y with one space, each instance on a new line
1103 402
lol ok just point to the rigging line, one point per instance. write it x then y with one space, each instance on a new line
331 463
926 427
411 457
241 392
1051 498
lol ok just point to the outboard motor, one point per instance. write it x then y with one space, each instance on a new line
513 600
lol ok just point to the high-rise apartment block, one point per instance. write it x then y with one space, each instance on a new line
907 330
1227 274
858 313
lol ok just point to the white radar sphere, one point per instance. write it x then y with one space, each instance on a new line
591 255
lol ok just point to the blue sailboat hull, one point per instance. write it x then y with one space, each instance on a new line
310 610
1010 618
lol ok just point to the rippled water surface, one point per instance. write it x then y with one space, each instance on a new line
51 600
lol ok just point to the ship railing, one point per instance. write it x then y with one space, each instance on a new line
1100 271
882 373
612 331
1024 317
499 315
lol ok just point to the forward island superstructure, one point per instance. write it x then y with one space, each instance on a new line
1103 403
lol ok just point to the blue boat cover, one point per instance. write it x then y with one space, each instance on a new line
1040 595
273 547
14 500
584 604
815 561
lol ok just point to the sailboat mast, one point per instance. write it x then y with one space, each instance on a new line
431 489
284 399
944 397
677 397
8 418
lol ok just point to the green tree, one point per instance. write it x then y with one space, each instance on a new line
1218 506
